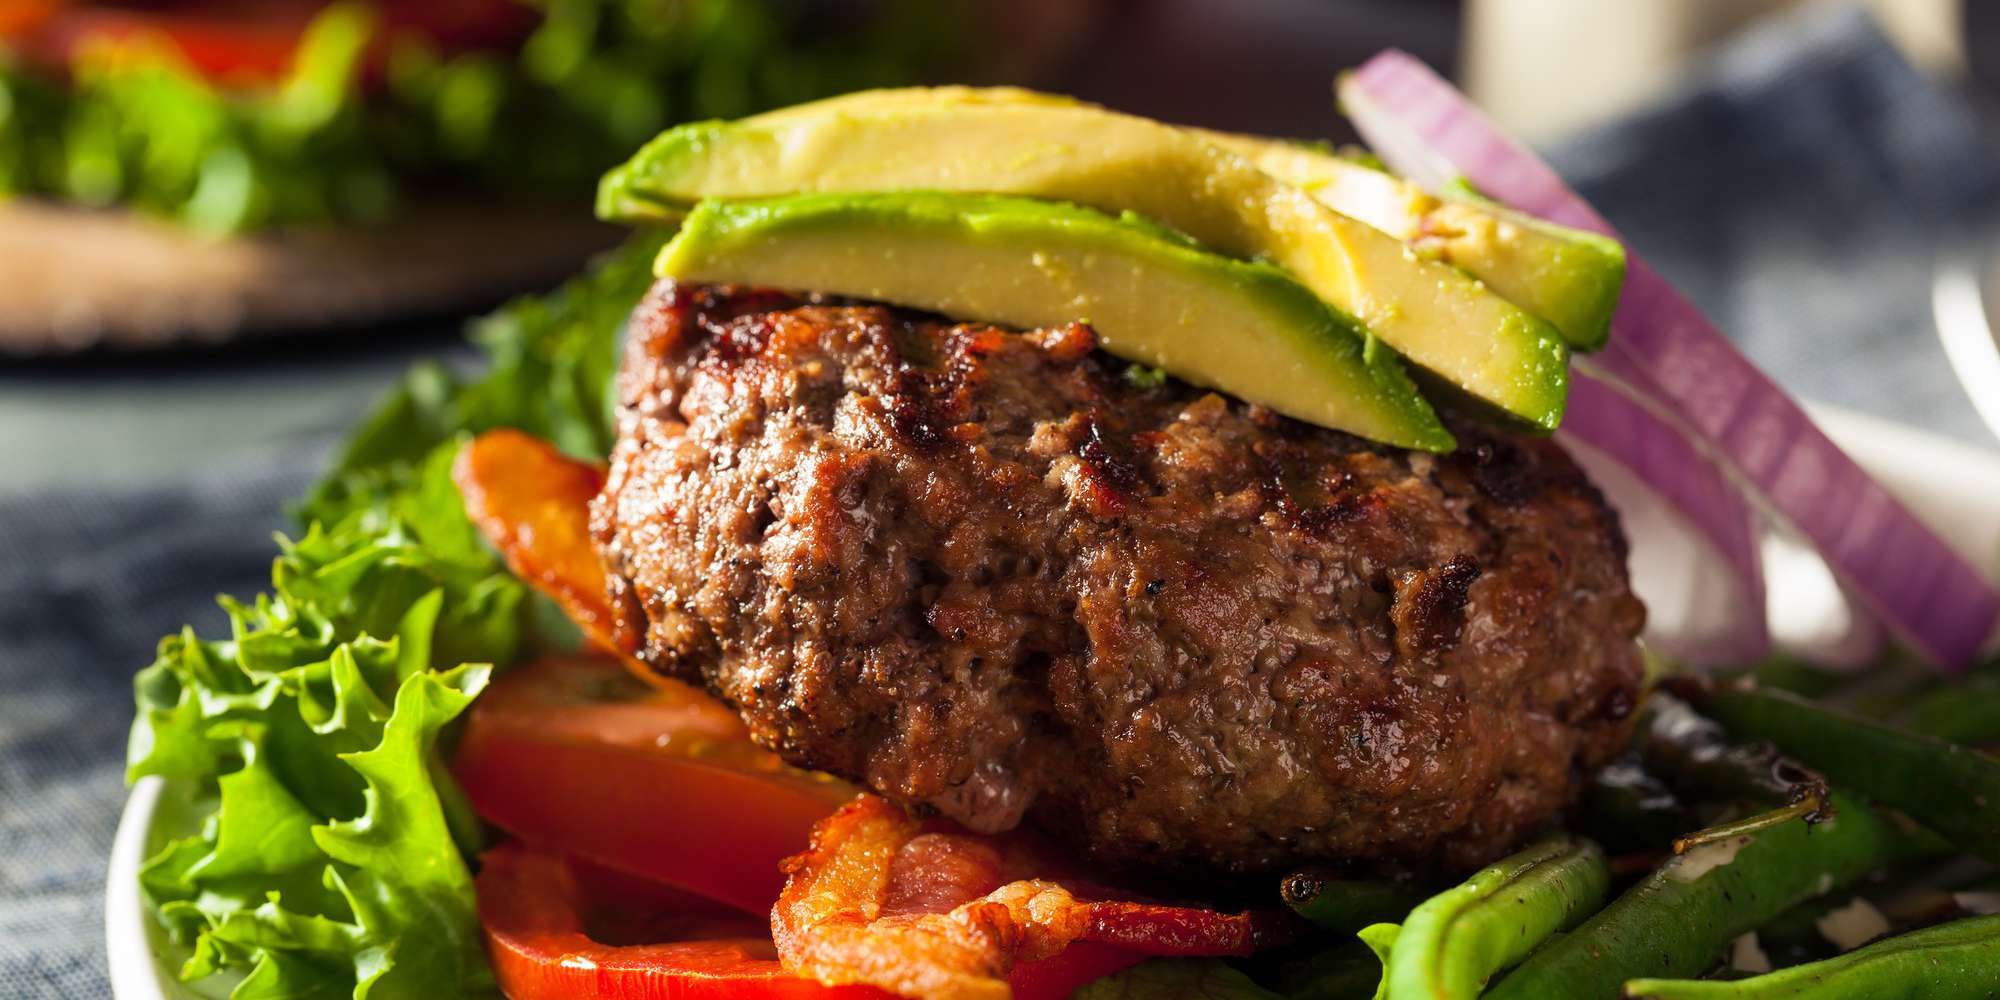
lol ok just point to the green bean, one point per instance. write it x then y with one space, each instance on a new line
1797 675
1348 972
1794 936
1678 919
1344 906
1697 754
1625 808
1959 959
1459 938
1381 939
1949 788
1810 810
1967 712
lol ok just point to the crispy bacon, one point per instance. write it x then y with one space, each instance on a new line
878 901
532 503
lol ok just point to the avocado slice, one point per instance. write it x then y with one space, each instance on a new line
1152 295
962 139
1566 276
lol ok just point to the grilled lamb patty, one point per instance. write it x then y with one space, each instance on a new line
1005 576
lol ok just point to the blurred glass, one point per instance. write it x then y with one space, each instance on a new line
1551 66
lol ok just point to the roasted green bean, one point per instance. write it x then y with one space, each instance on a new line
1344 906
1967 712
1677 920
1697 754
1381 939
1949 788
1625 808
1794 936
1456 940
1348 972
1959 959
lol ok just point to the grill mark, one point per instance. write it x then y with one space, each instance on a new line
1437 607
1504 472
934 395
1108 459
1349 506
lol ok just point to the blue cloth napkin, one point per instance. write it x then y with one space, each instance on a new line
1801 188
88 585
1798 188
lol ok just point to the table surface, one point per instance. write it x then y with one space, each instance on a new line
126 422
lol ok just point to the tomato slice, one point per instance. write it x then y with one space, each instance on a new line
587 698
535 913
659 786
656 781
546 921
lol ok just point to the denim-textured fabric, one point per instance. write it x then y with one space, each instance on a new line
1799 188
88 585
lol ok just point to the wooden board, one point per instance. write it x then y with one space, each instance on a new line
74 279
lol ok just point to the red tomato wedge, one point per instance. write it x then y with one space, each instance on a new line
536 916
655 781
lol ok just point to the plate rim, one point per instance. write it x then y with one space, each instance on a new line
127 925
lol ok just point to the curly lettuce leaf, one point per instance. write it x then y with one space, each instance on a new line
332 857
335 847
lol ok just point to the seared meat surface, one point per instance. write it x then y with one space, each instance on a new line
1000 575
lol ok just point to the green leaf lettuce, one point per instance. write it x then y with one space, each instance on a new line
332 854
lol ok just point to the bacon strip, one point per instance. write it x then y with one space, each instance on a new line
877 901
532 503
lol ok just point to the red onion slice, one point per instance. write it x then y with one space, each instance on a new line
1890 561
1694 541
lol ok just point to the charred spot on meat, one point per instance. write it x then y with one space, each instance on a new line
983 572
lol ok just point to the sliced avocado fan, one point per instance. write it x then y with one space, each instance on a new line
1566 276
998 143
1152 296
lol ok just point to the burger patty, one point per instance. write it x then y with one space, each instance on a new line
1005 576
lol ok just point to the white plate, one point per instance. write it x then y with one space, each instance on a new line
143 961
1954 487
